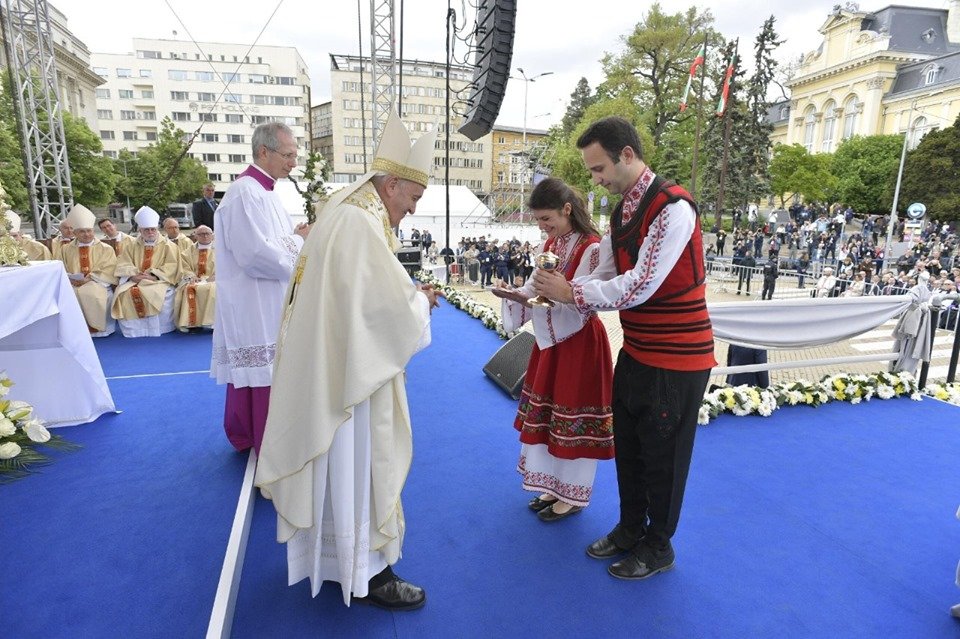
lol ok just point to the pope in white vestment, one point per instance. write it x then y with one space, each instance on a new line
338 443
256 246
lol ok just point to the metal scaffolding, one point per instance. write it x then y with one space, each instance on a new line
383 63
28 36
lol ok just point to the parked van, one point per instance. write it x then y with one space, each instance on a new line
182 213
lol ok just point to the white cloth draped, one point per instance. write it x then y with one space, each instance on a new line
256 254
553 325
805 322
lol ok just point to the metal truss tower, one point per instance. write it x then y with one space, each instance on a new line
383 63
29 43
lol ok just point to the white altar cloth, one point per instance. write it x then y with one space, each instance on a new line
46 348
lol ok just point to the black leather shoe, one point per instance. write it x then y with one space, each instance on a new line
605 548
549 514
396 594
642 562
538 504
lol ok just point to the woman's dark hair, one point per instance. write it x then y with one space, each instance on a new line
554 193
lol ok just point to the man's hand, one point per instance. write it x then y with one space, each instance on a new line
140 277
433 295
507 293
553 285
303 230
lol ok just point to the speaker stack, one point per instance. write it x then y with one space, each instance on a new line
496 20
411 258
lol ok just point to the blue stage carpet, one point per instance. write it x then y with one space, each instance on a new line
829 522
126 537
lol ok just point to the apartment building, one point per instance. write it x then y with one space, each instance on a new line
221 90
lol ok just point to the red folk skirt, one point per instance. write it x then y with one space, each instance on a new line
565 402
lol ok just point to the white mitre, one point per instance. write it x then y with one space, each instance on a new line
395 156
14 220
147 218
80 217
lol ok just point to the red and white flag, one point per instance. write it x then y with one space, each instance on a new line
725 93
693 72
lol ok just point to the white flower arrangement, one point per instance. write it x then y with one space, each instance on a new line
945 392
458 299
20 434
853 388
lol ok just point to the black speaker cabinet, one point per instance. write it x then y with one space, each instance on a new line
496 21
508 366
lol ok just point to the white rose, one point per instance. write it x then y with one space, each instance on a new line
9 450
7 428
36 431
4 389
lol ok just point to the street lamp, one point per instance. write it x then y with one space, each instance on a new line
526 85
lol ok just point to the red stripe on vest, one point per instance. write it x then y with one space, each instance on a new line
672 329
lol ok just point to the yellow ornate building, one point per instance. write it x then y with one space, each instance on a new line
881 72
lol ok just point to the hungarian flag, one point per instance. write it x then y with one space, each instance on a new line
693 72
722 104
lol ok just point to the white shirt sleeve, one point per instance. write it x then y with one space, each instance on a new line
665 242
256 247
426 337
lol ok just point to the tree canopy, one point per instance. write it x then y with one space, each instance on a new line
866 169
931 174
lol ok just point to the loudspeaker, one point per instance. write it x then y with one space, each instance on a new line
409 256
496 20
508 366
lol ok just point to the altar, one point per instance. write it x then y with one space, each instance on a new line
46 348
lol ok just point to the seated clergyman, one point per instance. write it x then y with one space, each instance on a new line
91 266
118 239
147 270
197 292
65 237
35 250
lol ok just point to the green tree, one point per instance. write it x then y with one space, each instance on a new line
580 99
865 168
931 174
793 170
161 173
91 174
758 128
653 69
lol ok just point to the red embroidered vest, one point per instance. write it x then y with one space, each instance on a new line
672 329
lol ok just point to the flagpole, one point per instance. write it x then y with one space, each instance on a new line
718 214
696 139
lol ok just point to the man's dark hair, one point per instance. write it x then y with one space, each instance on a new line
101 221
614 134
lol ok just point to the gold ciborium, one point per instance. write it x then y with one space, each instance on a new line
548 262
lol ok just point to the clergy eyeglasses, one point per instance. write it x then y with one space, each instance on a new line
290 157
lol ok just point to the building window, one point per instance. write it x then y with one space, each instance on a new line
125 94
104 114
128 115
238 158
809 128
146 94
107 135
234 138
151 136
180 116
231 97
209 137
124 73
256 78
230 78
259 119
208 117
930 74
234 119
176 74
147 115
146 73
851 109
129 135
206 97
101 71
179 96
829 125
148 55
103 94
213 177
211 157
920 129
110 154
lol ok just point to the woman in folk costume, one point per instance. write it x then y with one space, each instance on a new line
564 418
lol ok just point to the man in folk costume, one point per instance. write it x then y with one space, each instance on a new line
338 442
651 270
118 239
91 266
257 248
34 250
197 292
61 240
147 270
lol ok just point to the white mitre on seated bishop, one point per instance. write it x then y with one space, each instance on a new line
80 217
146 218
14 220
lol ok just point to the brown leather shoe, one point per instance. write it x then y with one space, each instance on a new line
396 594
